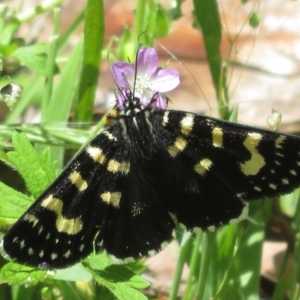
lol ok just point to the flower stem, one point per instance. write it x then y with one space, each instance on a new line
184 247
207 246
188 293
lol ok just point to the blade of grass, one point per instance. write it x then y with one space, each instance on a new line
62 99
244 276
52 51
208 242
207 15
188 293
184 246
93 42
296 269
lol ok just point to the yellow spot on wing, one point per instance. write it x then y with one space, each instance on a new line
22 244
279 141
257 161
96 154
285 181
203 166
67 254
69 226
165 118
187 124
109 135
115 166
112 198
217 137
53 255
178 146
77 180
31 219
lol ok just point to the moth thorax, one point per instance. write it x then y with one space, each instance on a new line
132 106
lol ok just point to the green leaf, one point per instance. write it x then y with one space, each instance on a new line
243 278
7 50
36 171
163 23
64 93
12 204
118 279
34 57
7 31
126 50
5 159
16 273
74 273
207 15
93 42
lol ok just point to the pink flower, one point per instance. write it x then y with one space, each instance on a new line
150 80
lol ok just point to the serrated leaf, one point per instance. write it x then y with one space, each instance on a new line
5 159
16 273
12 204
35 170
118 279
74 273
47 164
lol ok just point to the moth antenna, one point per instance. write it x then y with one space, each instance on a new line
135 72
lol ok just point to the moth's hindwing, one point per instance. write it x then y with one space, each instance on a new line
212 167
121 192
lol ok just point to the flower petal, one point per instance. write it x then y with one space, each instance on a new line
146 62
123 70
164 80
160 102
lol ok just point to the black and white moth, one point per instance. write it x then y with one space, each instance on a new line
151 166
121 193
